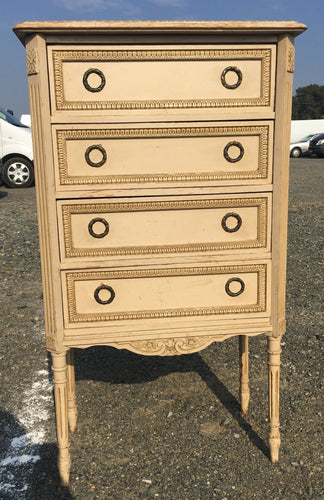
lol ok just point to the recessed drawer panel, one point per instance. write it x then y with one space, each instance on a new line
115 79
107 296
163 155
99 229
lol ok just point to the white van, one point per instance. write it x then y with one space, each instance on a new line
16 151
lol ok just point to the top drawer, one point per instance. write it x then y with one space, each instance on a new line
123 81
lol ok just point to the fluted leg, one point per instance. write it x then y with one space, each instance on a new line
274 351
60 393
71 400
244 372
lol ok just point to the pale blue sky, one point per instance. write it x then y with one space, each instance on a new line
13 80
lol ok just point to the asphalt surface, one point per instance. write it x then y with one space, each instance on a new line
165 428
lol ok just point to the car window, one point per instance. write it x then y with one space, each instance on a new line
7 117
305 139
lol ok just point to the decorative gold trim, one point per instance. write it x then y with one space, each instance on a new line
72 252
75 317
63 56
162 132
32 62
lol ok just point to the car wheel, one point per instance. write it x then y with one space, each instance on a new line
295 153
18 172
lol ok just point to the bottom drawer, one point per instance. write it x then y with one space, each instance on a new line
100 297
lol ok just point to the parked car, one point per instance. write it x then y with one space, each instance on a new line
316 145
301 147
16 151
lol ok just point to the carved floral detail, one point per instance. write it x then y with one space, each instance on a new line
167 347
51 343
32 62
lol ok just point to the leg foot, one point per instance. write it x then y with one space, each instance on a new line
274 446
64 466
244 373
60 394
72 408
274 351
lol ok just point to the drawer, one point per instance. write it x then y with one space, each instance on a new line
104 296
116 79
173 155
101 229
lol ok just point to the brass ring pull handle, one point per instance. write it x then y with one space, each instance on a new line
236 158
102 221
238 222
239 77
234 280
99 289
94 71
102 150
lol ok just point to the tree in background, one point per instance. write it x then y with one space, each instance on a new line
308 103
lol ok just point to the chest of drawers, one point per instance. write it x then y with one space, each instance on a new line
161 154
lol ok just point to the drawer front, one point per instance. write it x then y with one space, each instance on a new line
103 296
155 77
101 229
163 155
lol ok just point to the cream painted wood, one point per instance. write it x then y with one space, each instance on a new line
71 399
64 29
163 155
107 78
244 373
105 296
94 230
44 180
61 409
274 351
134 124
189 335
281 179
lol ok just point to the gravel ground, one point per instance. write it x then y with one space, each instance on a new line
167 428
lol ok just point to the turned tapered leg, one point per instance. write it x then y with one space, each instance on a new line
274 351
60 393
71 401
244 372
